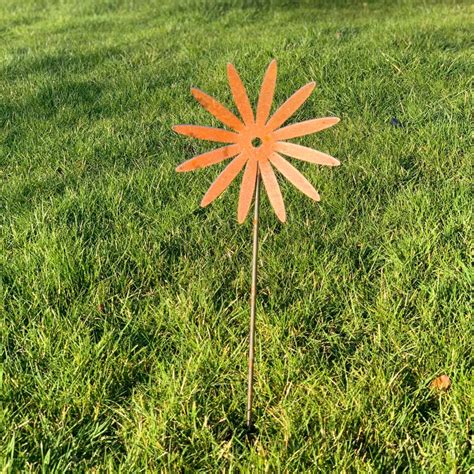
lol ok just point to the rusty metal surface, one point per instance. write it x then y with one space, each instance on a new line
256 142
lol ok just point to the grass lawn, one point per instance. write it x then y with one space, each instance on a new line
124 306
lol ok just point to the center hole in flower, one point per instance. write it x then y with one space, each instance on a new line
256 142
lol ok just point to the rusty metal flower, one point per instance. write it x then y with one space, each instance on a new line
257 142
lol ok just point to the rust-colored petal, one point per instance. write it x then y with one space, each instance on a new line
224 179
294 176
273 189
240 95
306 154
267 90
287 109
247 189
215 108
207 133
209 158
304 128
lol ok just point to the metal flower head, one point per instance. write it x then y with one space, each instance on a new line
257 142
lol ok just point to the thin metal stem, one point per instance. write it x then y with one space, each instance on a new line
253 296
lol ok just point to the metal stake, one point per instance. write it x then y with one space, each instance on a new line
253 295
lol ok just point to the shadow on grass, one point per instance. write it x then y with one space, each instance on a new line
61 64
76 98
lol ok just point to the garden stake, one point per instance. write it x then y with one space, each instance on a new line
256 143
253 299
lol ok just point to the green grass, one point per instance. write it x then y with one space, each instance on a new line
124 306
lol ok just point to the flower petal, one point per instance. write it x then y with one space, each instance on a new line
273 189
304 128
209 158
286 110
306 154
215 108
224 179
207 133
240 95
247 189
267 90
294 176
